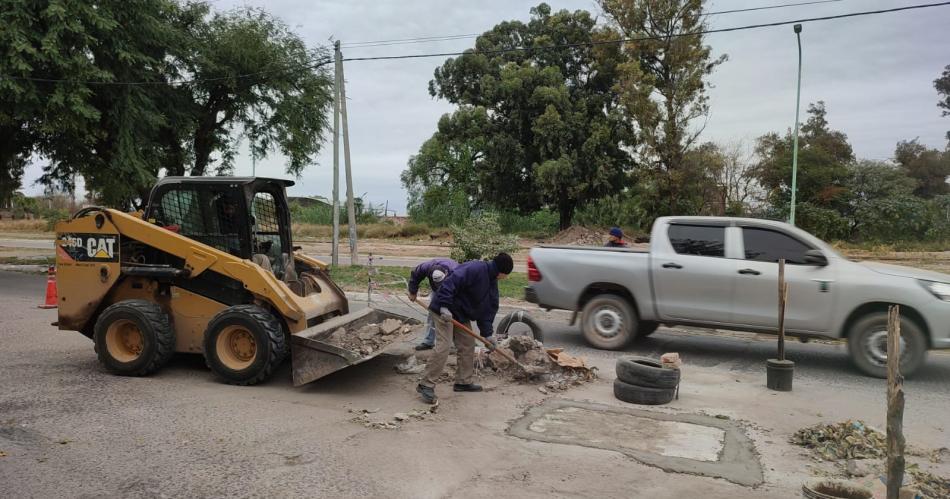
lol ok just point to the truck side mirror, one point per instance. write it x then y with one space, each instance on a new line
816 257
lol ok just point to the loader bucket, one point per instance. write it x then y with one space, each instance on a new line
313 358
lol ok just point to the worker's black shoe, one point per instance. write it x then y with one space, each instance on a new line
424 346
428 393
467 387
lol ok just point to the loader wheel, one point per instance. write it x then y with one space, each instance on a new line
134 338
243 344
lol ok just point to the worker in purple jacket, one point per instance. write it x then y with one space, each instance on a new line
470 293
435 270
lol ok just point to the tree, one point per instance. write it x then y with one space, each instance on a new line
663 89
942 85
118 92
725 174
551 131
882 205
283 105
929 167
823 158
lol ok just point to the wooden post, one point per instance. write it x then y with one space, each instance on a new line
895 405
782 297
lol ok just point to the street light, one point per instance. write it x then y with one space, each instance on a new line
798 99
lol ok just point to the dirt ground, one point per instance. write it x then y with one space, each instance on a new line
69 429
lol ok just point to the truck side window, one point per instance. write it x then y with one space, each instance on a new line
700 240
766 245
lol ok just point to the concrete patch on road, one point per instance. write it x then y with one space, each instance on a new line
679 443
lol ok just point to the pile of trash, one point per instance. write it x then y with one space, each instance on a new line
929 484
365 418
370 337
553 366
845 440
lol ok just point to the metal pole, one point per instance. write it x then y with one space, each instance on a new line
334 251
798 100
350 210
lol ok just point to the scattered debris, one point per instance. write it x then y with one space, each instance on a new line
722 416
542 390
929 484
845 440
64 441
410 366
370 337
3 454
862 467
398 418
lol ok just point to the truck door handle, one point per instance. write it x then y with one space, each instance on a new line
749 272
672 266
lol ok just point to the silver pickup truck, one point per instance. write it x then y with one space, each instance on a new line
722 273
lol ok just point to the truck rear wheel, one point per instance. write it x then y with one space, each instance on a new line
867 345
134 338
243 344
609 322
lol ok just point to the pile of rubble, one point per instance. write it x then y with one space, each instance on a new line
555 368
579 236
370 337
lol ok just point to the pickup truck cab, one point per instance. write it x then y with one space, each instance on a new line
722 273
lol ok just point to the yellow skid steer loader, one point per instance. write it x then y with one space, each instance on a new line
208 268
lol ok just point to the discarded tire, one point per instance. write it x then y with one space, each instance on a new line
646 372
645 395
516 317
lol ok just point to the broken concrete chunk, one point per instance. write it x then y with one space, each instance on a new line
410 366
390 326
400 416
368 331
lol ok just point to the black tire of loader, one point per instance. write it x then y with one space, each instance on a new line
646 372
643 395
268 335
158 337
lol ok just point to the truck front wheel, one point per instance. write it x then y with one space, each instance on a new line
867 345
609 322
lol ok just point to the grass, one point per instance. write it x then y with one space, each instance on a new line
16 260
878 248
354 278
35 225
368 231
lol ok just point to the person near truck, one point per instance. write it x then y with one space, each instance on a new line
469 294
435 270
616 239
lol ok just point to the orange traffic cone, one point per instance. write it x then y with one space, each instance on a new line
51 296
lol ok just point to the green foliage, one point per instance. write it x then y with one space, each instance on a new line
942 84
481 237
53 216
438 206
823 159
621 210
532 129
929 167
663 89
121 137
540 224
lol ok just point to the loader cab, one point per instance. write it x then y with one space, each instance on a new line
244 216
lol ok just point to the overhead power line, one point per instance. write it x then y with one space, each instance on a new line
314 65
501 51
430 39
647 38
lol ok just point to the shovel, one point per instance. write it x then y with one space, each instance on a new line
529 370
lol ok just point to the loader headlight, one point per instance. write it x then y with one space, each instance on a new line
939 289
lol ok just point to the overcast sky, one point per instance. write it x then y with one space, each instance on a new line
875 74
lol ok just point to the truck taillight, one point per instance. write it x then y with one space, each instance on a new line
534 275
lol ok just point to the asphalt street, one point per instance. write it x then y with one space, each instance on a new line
68 428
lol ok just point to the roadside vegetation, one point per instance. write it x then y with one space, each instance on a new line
356 278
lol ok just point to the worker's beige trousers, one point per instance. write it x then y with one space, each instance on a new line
445 335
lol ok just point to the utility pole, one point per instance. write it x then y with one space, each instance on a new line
350 210
798 100
337 82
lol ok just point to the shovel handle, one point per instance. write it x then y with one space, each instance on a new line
478 337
